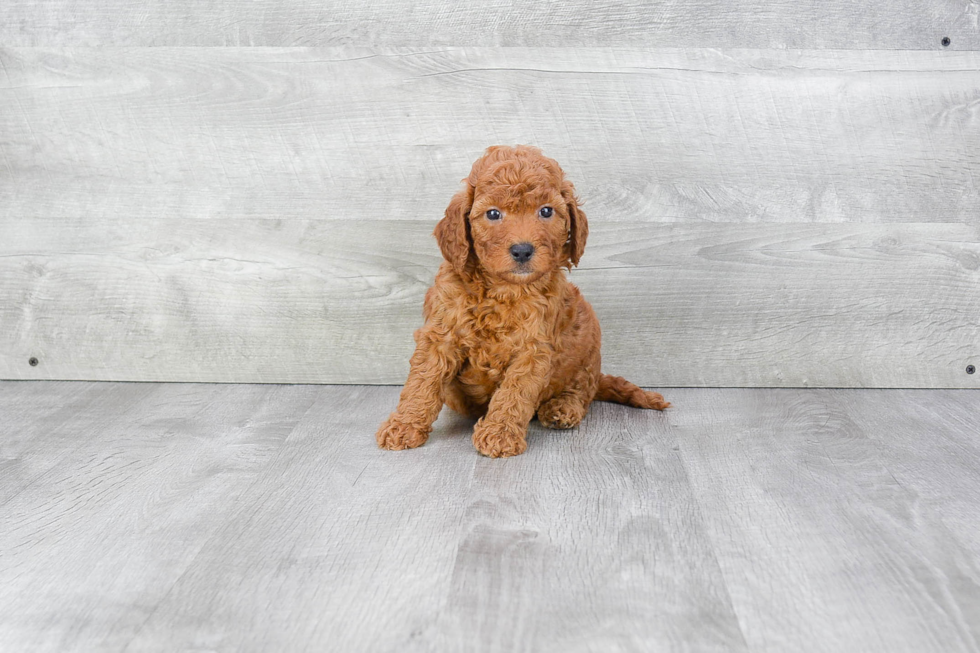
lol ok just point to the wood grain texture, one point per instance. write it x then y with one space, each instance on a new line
931 448
93 544
823 547
258 518
349 547
41 428
789 218
591 541
909 24
353 134
326 301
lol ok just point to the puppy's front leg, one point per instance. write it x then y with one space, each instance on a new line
434 362
502 431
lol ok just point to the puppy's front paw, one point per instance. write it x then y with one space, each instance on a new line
497 441
395 435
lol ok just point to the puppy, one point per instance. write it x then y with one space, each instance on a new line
506 336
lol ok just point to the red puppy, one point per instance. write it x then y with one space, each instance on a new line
506 335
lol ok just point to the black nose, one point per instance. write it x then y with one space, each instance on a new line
522 252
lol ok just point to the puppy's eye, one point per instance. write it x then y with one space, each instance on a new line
493 214
546 212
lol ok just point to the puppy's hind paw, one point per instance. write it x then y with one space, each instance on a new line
561 413
395 435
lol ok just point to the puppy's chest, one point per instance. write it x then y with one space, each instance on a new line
492 333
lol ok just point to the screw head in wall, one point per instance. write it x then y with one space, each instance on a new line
945 41
970 369
32 361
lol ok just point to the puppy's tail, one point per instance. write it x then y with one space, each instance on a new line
621 391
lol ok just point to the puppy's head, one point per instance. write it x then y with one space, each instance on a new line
516 217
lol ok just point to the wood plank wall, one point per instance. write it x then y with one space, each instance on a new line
780 193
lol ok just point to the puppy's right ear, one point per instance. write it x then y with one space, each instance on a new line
453 231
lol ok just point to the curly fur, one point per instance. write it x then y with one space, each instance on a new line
504 340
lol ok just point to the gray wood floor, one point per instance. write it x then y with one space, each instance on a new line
169 517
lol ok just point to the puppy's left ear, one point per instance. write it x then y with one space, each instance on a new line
578 230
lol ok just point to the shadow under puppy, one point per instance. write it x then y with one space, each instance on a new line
506 336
